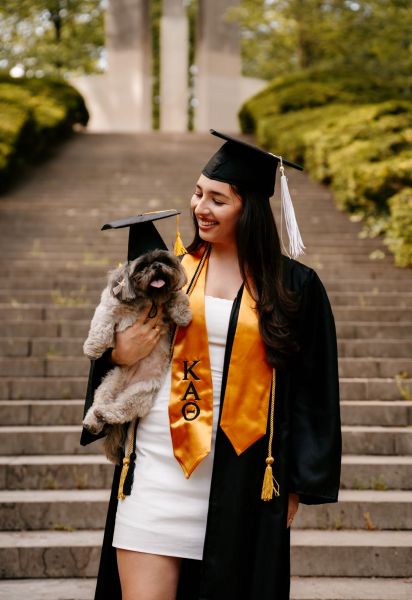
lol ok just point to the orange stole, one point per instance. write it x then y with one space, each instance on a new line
247 395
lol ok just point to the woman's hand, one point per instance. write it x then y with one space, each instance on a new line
293 505
137 341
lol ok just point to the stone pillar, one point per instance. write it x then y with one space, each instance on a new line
218 60
128 82
174 58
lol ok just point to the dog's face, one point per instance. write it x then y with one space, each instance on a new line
154 275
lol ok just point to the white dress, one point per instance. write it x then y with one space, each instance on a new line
166 513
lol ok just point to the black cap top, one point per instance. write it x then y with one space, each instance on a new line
243 164
143 235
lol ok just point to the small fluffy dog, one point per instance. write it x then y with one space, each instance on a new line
151 281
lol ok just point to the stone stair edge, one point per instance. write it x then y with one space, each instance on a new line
302 588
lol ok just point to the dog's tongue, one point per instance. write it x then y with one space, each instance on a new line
157 283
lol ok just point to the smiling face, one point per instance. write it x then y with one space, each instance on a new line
216 209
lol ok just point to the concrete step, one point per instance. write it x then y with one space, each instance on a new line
56 439
44 554
95 472
50 347
356 553
55 472
398 299
82 298
42 388
40 366
302 588
344 588
53 589
41 412
64 439
379 412
79 329
388 348
373 388
76 297
49 312
67 388
359 509
363 472
26 510
98 266
67 510
28 329
70 412
374 314
375 331
376 367
362 439
44 367
371 286
83 282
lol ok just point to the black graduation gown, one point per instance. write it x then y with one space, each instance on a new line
247 544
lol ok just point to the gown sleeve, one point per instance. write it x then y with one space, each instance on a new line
316 440
98 369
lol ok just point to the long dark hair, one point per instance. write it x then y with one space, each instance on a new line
260 259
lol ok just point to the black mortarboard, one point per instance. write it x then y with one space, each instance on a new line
240 163
143 235
243 164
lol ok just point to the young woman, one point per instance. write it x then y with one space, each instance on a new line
252 390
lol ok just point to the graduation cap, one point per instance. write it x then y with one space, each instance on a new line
143 235
240 163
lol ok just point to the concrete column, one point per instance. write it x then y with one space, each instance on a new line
128 42
174 50
218 85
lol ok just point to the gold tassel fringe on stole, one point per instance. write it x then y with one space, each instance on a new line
125 467
270 485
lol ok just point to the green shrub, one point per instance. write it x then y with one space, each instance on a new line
363 150
399 233
35 114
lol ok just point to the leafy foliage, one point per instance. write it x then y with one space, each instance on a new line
364 151
363 36
399 232
36 113
51 37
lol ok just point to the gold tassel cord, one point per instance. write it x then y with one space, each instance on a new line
125 468
179 248
270 486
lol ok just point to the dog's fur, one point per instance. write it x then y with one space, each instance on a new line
128 392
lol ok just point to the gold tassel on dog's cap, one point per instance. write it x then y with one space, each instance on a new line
179 248
143 235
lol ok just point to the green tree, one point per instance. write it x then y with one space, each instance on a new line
283 36
51 37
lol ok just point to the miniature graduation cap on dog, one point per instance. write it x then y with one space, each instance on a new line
143 235
244 164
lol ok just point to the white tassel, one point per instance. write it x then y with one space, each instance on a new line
296 246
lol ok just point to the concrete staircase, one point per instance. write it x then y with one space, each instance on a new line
54 493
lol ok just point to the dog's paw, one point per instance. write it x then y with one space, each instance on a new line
93 423
110 416
91 350
184 317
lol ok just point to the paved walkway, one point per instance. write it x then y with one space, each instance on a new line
53 493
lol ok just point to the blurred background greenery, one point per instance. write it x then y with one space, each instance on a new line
338 99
